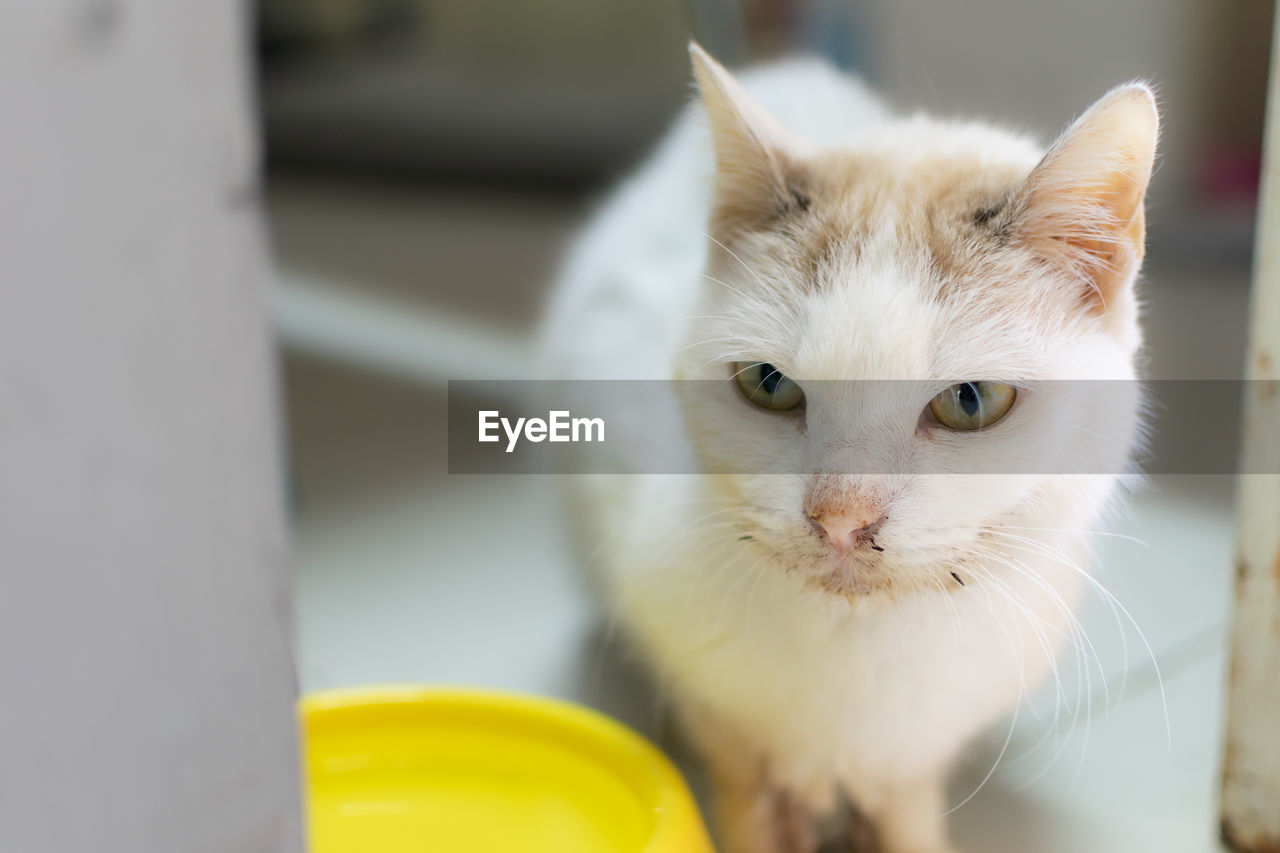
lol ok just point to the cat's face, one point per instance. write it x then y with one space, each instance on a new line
877 282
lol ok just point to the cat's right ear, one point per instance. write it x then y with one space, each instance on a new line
1082 206
758 173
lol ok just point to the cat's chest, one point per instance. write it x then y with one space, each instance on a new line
826 693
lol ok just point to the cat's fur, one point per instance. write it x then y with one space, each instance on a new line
793 219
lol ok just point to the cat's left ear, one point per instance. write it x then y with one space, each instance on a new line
758 162
1083 204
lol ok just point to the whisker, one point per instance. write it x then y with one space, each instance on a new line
1107 594
1075 530
724 284
735 257
1007 739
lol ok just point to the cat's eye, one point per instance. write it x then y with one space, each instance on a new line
973 405
765 386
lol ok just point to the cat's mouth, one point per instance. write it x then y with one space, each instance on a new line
875 566
871 570
861 576
866 570
854 576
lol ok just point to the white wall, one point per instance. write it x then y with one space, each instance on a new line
1038 63
146 686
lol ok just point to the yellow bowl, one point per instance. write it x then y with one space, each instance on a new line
399 769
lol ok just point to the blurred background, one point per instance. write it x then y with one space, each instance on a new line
428 162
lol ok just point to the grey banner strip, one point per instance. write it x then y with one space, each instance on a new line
866 427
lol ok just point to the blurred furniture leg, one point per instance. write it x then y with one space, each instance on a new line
145 664
1251 760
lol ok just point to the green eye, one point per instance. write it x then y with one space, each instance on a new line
973 405
766 387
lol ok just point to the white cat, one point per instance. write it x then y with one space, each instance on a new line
840 632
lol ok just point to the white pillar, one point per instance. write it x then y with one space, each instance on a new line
1251 762
146 685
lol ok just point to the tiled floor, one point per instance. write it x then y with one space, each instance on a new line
407 574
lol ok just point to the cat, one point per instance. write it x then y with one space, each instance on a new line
833 637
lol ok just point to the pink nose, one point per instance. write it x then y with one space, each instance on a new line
845 530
